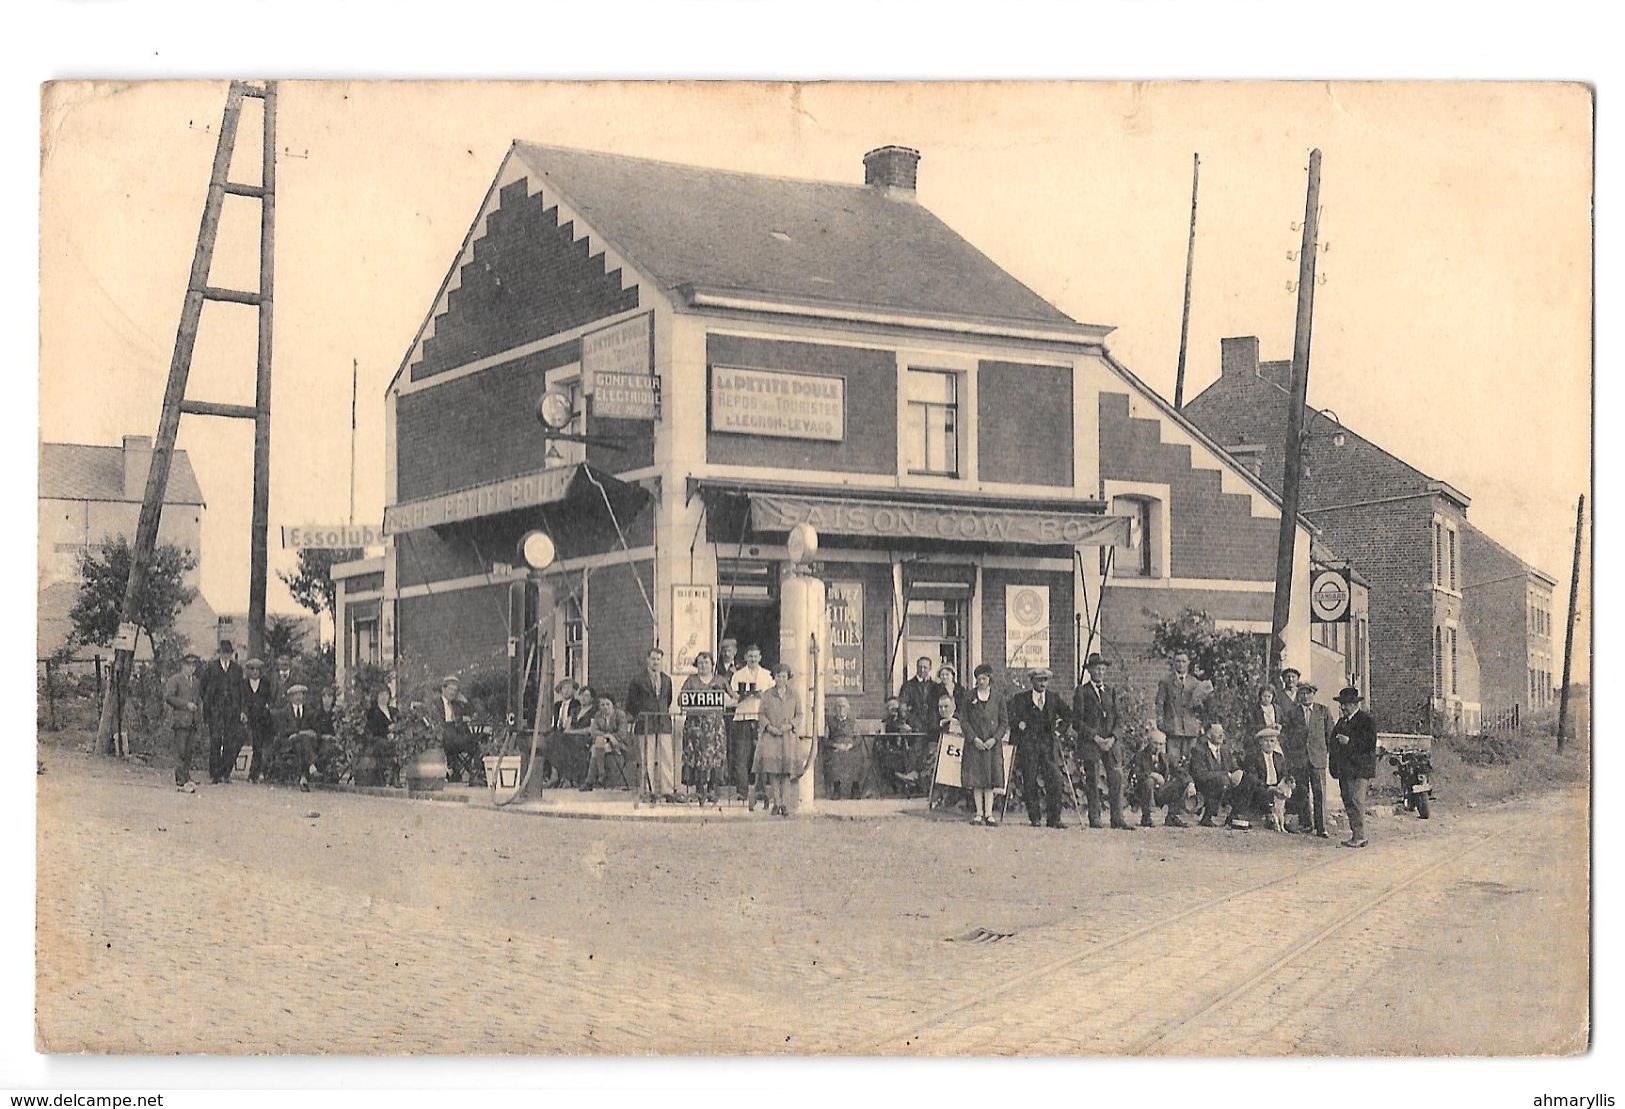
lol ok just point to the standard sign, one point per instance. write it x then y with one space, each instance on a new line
624 348
786 406
1329 597
525 491
331 536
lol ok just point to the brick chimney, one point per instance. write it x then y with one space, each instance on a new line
137 462
1238 355
893 168
1250 455
1279 372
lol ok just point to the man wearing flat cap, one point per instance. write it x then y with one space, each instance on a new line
297 727
1354 760
259 711
221 686
1094 713
1037 718
183 697
1267 783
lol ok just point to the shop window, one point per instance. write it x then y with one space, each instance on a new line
935 628
364 642
574 645
931 431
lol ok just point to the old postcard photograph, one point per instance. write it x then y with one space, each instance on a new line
859 569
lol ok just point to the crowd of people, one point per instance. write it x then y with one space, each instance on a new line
735 721
739 726
224 706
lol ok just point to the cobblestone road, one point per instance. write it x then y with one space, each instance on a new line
234 920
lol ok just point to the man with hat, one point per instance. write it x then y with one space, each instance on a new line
1037 718
259 713
1094 713
183 697
1162 782
1310 771
1266 783
1353 760
298 728
456 738
221 687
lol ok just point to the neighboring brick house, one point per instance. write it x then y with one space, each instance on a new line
91 494
826 353
1404 529
1508 607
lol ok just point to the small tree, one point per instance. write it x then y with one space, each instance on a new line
312 582
1233 661
283 637
106 574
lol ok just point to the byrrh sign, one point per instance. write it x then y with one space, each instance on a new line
783 405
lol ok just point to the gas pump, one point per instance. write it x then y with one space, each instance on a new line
530 619
804 644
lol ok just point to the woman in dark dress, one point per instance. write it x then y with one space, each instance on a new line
375 754
705 741
986 722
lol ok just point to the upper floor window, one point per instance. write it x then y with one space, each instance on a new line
931 431
1446 570
1140 561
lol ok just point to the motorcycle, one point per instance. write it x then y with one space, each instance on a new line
1414 770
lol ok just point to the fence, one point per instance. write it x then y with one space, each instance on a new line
69 692
1507 720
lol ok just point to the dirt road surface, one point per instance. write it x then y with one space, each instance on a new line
258 919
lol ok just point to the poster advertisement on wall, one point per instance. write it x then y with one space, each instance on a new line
1026 626
844 601
693 625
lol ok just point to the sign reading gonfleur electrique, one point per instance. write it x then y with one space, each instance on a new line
617 370
1329 596
783 405
332 536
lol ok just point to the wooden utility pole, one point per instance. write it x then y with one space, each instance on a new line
355 380
260 524
1185 316
175 403
1292 478
1568 636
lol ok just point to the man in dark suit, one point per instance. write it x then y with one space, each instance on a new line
220 684
1266 782
298 727
919 696
1094 714
259 712
1160 781
648 703
1037 719
1217 774
451 713
1354 760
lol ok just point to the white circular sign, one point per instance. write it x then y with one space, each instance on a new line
1028 608
1329 595
537 550
554 409
803 542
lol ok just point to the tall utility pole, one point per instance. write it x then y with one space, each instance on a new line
1568 636
175 403
1292 477
260 524
355 381
1185 317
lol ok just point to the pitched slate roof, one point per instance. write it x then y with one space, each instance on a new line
85 472
808 242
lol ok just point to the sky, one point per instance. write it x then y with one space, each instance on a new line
1453 326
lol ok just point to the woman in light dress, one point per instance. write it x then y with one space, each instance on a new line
779 750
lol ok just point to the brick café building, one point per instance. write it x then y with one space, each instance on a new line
765 352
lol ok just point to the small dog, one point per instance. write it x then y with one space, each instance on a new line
1279 793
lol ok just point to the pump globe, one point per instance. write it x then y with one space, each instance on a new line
537 550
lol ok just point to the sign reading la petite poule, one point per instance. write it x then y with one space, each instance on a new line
331 536
781 405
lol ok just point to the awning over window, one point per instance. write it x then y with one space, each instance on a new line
559 486
938 519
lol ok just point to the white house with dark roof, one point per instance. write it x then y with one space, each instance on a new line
91 494
988 482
